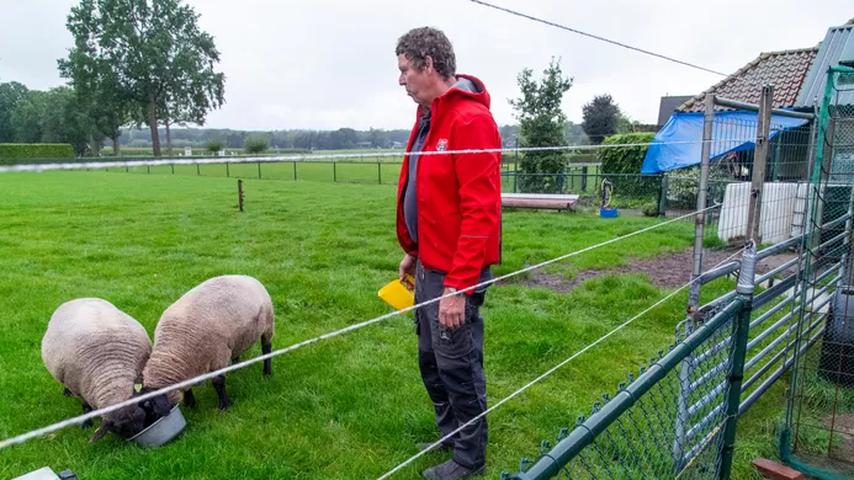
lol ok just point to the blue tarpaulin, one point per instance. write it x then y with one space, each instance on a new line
679 142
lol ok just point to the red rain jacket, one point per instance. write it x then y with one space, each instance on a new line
459 194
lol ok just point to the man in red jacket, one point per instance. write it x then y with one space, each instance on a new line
449 225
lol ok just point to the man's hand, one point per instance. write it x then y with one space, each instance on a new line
407 266
452 311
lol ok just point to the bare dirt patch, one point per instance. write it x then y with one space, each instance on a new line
668 270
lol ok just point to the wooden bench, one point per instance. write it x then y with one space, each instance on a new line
539 200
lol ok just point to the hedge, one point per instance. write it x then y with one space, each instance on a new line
629 187
14 153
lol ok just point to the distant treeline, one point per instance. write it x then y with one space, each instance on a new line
343 138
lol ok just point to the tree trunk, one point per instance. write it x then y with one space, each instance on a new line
168 138
115 140
152 125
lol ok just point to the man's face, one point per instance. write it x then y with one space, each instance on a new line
417 82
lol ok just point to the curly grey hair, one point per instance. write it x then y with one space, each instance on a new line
419 43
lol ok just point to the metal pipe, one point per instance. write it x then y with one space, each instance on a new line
764 368
771 311
762 388
718 272
782 267
726 102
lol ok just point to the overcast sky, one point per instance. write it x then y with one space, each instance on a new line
328 64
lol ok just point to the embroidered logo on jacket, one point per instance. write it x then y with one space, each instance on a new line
442 145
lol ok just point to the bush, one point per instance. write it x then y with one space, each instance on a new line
255 143
14 153
624 159
626 162
650 209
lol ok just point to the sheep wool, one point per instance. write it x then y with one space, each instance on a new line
95 350
206 328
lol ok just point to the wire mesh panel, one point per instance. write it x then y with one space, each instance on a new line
634 434
820 414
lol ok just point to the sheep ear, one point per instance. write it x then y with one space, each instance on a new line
100 432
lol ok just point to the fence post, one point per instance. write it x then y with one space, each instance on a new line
240 194
198 170
741 330
148 168
259 168
700 218
584 178
515 164
379 172
334 171
662 196
760 161
295 169
227 172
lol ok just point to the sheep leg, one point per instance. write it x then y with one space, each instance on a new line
86 409
219 386
189 398
267 347
66 392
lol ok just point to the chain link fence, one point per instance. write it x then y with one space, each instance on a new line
818 436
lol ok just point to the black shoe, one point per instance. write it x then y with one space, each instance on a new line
443 447
450 470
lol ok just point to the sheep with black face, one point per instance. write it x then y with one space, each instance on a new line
204 330
97 353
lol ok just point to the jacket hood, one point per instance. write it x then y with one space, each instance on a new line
467 87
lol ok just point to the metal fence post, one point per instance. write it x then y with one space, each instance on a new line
379 173
334 172
700 218
295 169
227 172
662 196
584 178
259 168
741 330
198 170
173 168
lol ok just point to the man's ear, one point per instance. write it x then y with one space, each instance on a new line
428 63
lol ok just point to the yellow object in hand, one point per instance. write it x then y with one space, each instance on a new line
398 295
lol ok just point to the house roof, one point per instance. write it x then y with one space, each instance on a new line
668 105
785 70
838 45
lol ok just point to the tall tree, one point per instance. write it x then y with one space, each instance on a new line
163 61
98 89
10 94
541 124
601 118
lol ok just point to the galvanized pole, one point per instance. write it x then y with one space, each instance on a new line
741 330
760 162
687 367
700 218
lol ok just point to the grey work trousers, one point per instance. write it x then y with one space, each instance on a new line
451 363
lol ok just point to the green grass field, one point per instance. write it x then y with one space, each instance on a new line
350 407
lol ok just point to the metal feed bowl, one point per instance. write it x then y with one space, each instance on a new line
164 429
